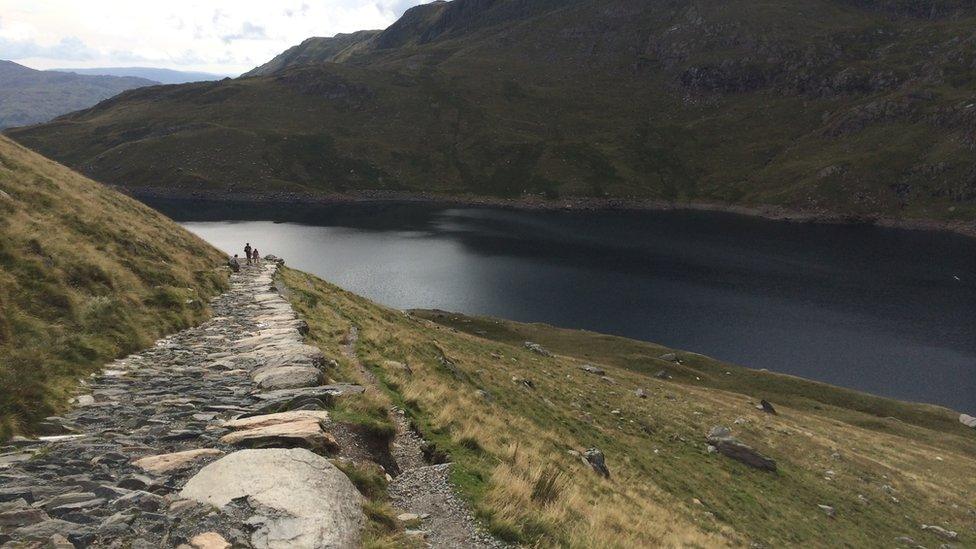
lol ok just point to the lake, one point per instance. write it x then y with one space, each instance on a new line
888 311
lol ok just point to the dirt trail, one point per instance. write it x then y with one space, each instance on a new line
420 488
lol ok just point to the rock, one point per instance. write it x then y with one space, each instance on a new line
164 463
144 501
765 406
670 357
251 422
593 369
209 540
45 529
305 433
64 499
322 391
22 517
408 517
828 510
135 482
57 541
941 532
596 460
723 441
967 420
663 374
640 393
288 377
117 524
537 349
300 499
84 400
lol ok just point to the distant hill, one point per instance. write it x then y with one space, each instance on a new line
163 76
86 275
861 108
29 96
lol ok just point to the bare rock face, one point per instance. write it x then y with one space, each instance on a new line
727 445
299 499
967 420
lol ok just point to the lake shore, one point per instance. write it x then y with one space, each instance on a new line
771 212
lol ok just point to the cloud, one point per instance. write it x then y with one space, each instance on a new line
70 48
249 31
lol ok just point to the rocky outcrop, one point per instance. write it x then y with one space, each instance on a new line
297 499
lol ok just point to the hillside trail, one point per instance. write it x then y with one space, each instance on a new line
114 470
422 489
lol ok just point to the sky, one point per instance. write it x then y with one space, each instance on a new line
219 36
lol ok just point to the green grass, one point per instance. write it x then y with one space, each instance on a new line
910 463
86 275
740 102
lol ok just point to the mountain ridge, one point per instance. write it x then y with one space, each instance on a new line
860 109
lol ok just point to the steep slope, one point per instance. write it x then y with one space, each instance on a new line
86 275
514 421
862 108
28 96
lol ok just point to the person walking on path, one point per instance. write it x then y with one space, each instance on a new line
247 252
256 256
235 265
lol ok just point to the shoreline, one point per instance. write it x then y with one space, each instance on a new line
769 212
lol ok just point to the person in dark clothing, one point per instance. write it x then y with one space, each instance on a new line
234 264
255 256
247 252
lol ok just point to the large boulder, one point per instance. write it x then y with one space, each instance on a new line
300 499
967 420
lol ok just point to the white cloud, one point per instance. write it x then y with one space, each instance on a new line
224 36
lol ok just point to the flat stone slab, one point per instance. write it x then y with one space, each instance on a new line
165 463
274 419
301 500
335 390
306 433
288 377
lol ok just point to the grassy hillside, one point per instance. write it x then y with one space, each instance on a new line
86 275
509 419
857 107
28 96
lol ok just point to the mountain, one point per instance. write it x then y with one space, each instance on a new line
29 96
162 76
860 108
86 275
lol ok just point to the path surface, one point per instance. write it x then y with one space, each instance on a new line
421 489
87 487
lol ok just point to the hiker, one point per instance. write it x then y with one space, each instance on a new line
255 256
234 264
247 252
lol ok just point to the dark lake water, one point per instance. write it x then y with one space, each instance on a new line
891 312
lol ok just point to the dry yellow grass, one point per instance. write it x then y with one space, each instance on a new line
86 275
884 476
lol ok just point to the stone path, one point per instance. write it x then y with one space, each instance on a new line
143 458
422 492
